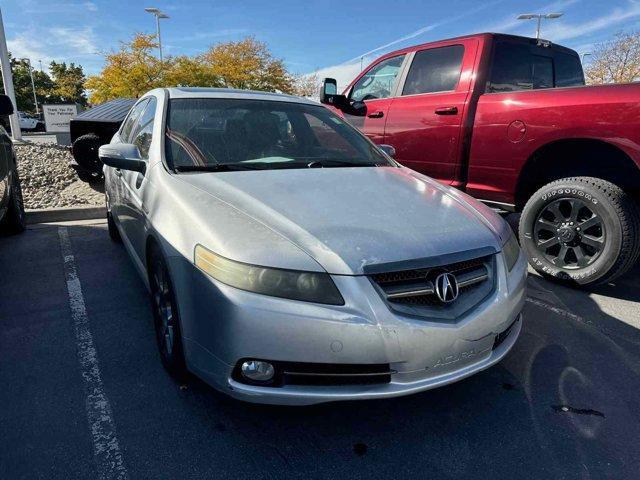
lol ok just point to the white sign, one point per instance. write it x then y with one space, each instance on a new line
56 117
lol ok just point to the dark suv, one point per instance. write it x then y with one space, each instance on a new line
12 217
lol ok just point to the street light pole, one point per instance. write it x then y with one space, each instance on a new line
33 86
158 14
584 55
538 17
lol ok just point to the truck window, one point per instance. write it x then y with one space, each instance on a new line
511 68
542 72
568 70
377 82
517 67
434 70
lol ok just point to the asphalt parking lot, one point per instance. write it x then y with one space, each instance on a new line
83 393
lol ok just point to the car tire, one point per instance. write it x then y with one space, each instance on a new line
85 152
165 316
581 231
114 233
15 219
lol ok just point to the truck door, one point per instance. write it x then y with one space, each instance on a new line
424 121
375 87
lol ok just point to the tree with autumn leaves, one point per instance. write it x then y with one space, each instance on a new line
245 64
615 61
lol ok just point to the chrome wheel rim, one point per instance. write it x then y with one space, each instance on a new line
165 318
569 233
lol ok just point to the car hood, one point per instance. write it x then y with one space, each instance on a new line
349 219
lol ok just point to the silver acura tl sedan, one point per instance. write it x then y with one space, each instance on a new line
291 261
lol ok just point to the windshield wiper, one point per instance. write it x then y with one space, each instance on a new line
215 167
328 163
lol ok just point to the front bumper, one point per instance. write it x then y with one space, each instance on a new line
222 325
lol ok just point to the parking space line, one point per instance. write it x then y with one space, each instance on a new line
109 459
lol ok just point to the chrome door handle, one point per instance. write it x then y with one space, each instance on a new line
118 172
378 114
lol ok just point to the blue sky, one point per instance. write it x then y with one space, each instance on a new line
329 35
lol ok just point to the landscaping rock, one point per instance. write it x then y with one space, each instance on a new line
48 181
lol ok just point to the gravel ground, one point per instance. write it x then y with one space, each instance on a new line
49 182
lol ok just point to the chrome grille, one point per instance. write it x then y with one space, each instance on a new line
414 289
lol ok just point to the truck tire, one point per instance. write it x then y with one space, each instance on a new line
581 231
15 219
85 152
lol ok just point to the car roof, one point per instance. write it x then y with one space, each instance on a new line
199 92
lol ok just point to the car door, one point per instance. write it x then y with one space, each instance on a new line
114 186
375 88
134 183
424 122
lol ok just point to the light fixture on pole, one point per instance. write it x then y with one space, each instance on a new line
158 14
538 17
584 55
33 85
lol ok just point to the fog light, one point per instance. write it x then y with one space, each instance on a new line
257 371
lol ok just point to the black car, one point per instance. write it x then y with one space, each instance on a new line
12 216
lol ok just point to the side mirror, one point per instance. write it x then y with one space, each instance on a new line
389 150
329 94
6 107
124 156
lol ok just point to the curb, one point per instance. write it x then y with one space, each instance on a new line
66 214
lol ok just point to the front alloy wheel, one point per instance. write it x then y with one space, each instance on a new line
165 315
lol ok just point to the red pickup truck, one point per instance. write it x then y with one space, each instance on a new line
508 120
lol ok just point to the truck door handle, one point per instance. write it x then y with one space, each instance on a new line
118 172
447 111
377 114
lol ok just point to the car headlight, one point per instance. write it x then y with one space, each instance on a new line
511 250
295 285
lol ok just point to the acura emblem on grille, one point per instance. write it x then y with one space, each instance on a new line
446 287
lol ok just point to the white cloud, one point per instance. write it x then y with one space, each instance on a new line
565 31
62 44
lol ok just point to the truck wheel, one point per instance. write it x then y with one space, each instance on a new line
85 151
15 220
581 230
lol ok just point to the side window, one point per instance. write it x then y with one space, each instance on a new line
144 129
434 70
511 68
127 126
568 70
542 74
377 82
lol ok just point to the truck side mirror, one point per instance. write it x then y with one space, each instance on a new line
6 107
329 94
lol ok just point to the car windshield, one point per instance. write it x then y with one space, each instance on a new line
236 134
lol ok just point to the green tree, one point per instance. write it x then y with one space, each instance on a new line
23 88
68 83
